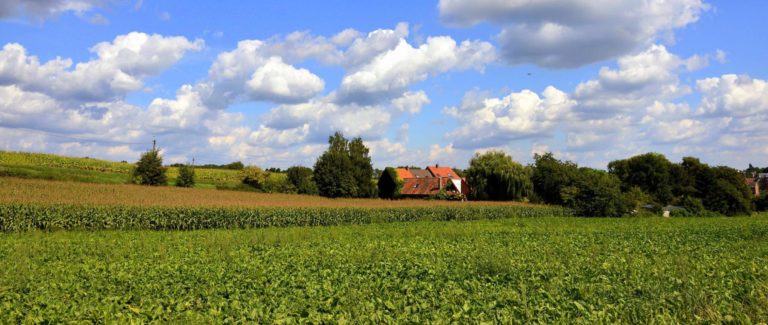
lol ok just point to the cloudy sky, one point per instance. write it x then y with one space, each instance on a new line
422 82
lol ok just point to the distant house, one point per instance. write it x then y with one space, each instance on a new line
429 181
753 185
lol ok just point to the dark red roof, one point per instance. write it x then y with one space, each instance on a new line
424 186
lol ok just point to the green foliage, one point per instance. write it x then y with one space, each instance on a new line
25 217
651 172
761 202
344 170
186 176
595 193
390 184
550 175
149 169
278 183
301 178
495 176
691 204
635 200
362 169
254 176
506 271
721 189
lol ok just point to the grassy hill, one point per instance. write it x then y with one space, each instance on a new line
90 170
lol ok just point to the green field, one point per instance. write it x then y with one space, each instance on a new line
89 170
518 270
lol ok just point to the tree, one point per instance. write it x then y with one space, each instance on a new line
149 169
335 172
550 175
595 193
390 184
186 176
301 178
495 176
362 170
650 172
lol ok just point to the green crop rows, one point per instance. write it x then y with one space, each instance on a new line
518 270
22 217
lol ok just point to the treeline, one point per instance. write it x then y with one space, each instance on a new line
643 184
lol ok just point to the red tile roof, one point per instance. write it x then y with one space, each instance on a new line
443 172
403 173
423 186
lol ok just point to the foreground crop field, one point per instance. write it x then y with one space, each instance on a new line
511 270
16 190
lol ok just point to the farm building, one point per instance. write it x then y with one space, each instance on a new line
418 182
755 184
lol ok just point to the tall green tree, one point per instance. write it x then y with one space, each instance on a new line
550 175
149 169
651 172
344 169
301 178
362 169
495 176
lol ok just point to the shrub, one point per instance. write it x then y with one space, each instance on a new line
149 169
186 176
301 178
254 176
389 184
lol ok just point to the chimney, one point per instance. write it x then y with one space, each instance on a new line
437 166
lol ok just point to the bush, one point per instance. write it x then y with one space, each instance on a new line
301 178
278 183
186 176
389 184
254 176
149 169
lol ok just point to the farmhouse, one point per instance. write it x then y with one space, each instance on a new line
427 182
755 184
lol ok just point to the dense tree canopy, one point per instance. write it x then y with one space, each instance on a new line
651 172
550 175
344 169
495 176
595 193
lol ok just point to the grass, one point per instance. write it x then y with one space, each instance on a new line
89 170
16 190
547 270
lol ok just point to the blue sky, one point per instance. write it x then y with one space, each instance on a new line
421 82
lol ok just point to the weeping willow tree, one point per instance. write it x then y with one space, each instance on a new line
495 176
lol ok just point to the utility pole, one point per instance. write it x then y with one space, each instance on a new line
154 144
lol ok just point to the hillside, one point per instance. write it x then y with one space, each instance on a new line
90 170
